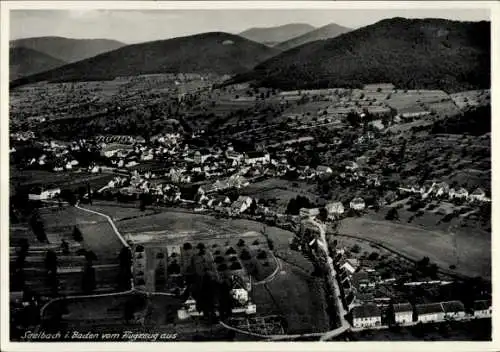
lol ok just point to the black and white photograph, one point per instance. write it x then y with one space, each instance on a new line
295 173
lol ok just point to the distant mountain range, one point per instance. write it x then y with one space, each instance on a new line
25 62
331 30
411 53
214 52
274 35
66 49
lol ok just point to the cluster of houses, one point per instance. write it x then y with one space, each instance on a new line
363 291
443 190
372 315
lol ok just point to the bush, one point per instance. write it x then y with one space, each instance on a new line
187 246
245 255
235 266
262 255
373 256
230 251
222 267
241 243
356 248
219 259
392 214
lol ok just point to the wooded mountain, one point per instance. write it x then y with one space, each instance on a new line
331 30
24 62
411 53
66 49
275 35
214 52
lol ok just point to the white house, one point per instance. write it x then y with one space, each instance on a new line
478 195
241 204
482 309
350 265
308 212
429 312
442 189
460 193
351 166
252 158
322 170
366 316
200 156
403 313
453 310
357 204
334 209
41 194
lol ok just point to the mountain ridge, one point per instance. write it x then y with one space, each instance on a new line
67 49
411 53
221 52
328 31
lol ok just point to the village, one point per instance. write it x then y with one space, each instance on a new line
327 155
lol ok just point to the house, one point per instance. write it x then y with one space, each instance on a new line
200 156
241 204
334 210
114 148
429 312
252 158
366 316
478 195
351 166
350 265
453 310
322 170
442 189
357 204
460 193
482 309
41 194
403 313
308 212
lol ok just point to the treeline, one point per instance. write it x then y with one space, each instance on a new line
475 121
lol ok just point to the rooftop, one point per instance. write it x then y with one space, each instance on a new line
482 305
366 311
453 306
429 308
402 307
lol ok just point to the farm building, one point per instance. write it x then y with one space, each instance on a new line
403 313
357 204
41 194
241 204
334 209
429 312
482 309
366 316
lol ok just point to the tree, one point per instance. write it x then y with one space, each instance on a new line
65 247
125 274
323 214
245 255
187 246
241 243
38 227
77 234
51 268
392 214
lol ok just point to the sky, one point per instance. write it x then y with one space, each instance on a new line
133 26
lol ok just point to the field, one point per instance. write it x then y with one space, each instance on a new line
469 251
177 228
296 296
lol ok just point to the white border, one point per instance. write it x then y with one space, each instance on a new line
5 6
